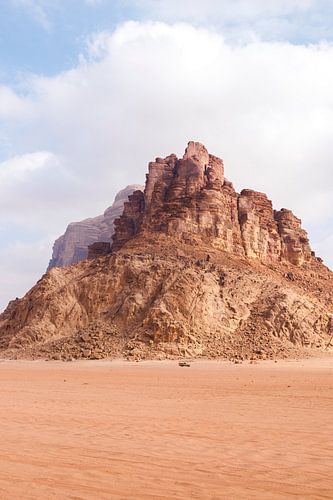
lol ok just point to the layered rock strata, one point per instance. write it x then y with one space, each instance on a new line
72 247
196 269
190 199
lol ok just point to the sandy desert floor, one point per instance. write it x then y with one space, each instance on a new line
103 430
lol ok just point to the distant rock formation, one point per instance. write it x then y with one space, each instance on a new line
195 269
72 247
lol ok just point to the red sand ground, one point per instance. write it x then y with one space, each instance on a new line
101 430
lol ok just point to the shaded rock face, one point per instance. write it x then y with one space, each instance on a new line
72 247
98 249
196 269
190 199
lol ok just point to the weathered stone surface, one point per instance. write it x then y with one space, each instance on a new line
129 223
190 199
162 304
196 270
259 230
72 247
295 247
98 249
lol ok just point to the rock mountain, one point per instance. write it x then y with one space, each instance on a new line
194 269
72 247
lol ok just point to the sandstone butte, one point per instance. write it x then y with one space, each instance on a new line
195 270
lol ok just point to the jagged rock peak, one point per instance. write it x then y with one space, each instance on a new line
190 199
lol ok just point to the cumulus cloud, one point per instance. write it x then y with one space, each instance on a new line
11 104
241 20
144 91
226 9
18 168
244 19
20 264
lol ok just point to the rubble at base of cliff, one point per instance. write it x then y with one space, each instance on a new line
103 341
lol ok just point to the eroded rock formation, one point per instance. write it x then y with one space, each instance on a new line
190 199
72 247
196 269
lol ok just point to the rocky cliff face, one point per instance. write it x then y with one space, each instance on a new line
196 270
190 199
72 247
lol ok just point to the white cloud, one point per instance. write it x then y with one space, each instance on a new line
10 103
225 9
18 168
36 8
20 264
242 20
148 88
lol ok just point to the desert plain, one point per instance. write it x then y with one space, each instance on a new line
153 430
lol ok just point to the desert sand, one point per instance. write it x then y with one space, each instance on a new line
153 430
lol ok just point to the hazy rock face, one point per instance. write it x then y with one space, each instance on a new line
196 270
191 200
72 247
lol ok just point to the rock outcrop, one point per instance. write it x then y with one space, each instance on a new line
72 247
98 249
191 200
196 269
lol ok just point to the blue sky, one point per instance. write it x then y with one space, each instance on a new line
91 90
49 39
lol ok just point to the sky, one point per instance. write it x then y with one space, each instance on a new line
91 90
